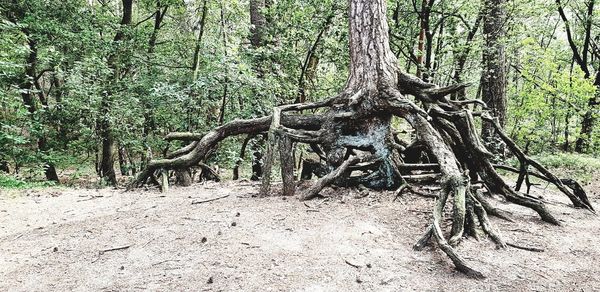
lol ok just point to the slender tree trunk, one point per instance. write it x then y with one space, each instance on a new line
198 46
493 79
123 160
258 27
4 166
425 41
589 119
238 163
258 21
106 168
311 61
461 58
159 15
582 60
27 88
149 122
225 60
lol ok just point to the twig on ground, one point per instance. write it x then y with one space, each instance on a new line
114 249
533 249
90 198
165 261
101 252
209 200
351 264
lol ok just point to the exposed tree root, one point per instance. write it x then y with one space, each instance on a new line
575 194
453 185
314 190
352 136
454 156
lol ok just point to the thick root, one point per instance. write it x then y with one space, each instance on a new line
354 136
314 190
485 223
459 263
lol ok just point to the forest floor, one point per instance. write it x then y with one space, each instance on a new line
64 239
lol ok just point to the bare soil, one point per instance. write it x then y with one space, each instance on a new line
111 240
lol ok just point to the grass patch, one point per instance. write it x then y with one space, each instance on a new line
581 167
571 161
11 182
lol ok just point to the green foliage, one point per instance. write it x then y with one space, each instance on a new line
583 167
153 90
546 108
12 182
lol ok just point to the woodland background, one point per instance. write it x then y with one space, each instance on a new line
69 68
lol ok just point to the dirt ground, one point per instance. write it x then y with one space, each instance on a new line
111 240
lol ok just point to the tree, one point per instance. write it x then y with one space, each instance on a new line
461 56
583 57
425 43
106 167
258 26
353 134
32 93
493 76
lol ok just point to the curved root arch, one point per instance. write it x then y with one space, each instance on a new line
346 135
353 136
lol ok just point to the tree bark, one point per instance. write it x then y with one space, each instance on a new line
238 163
225 59
159 15
493 76
4 166
258 22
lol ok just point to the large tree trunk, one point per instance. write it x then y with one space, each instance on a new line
373 73
353 135
493 78
258 22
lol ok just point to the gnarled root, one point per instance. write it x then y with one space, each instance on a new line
314 190
354 135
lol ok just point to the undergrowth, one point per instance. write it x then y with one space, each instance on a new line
581 167
12 182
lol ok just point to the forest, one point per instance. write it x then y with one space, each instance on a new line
473 107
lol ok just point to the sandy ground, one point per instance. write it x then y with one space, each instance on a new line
61 240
